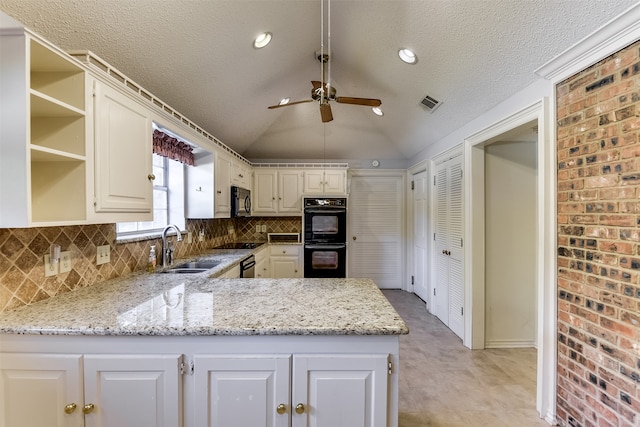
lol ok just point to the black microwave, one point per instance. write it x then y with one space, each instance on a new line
240 202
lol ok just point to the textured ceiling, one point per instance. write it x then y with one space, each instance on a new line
197 56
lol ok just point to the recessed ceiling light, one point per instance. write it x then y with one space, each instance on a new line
262 40
377 111
408 56
284 101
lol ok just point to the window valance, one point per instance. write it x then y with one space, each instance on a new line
172 148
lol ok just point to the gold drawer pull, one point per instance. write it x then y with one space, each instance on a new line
281 409
299 408
88 408
70 408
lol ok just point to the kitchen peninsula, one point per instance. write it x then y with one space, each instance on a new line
188 350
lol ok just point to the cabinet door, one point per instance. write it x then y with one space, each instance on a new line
264 192
36 388
313 182
199 189
242 391
340 391
335 182
290 191
282 267
133 390
123 170
222 185
241 175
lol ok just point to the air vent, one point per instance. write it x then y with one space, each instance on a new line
430 103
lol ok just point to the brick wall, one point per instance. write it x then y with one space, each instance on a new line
598 113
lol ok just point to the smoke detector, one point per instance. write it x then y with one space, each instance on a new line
430 103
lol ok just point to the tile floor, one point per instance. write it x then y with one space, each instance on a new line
444 384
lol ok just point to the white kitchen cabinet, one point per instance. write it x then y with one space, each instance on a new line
35 389
340 390
91 390
240 174
262 263
233 273
123 147
43 133
318 182
133 391
285 261
299 390
222 185
277 192
242 390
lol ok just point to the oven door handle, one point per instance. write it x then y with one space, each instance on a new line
339 246
324 210
248 265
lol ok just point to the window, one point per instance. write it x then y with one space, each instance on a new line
168 200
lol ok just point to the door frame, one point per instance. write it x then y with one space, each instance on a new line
474 232
422 166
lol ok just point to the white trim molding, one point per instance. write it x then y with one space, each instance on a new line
616 34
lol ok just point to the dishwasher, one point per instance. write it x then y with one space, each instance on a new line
247 267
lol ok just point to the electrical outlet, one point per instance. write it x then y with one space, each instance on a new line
264 228
258 228
189 237
201 236
65 261
104 254
49 268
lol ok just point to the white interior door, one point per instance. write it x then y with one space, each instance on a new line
420 238
448 255
375 227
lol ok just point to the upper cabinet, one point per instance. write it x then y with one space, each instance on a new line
208 185
277 192
241 175
43 162
318 182
123 140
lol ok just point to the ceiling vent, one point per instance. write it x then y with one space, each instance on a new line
430 103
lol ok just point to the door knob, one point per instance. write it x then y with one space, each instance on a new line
299 408
70 408
281 409
88 408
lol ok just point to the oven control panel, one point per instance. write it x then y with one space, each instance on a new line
310 202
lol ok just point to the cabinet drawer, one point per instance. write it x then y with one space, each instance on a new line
281 250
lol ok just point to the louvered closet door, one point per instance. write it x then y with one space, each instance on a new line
374 212
448 256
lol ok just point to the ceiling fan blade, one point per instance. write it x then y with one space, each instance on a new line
325 112
316 84
290 103
359 101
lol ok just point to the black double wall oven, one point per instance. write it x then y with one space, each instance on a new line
325 236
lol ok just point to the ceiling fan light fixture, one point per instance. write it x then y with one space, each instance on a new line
284 101
377 111
408 56
262 40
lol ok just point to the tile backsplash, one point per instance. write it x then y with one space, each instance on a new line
22 250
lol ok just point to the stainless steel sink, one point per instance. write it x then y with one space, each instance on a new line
205 265
192 267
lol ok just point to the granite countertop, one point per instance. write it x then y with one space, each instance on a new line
195 304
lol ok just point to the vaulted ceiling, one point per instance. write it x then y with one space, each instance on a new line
197 56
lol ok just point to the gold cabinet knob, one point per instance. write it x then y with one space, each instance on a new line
354 237
88 408
68 409
281 409
299 408
151 177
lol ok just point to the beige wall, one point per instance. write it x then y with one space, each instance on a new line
510 244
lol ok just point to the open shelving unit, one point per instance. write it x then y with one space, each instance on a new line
57 137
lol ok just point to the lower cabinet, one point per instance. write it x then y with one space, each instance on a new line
94 390
291 390
284 261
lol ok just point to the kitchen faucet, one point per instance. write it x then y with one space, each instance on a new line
167 250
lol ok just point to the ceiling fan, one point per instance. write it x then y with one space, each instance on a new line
323 93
